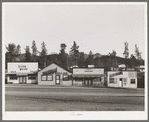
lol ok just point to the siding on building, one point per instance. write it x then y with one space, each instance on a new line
60 72
123 80
23 70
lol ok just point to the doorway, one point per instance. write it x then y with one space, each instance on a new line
22 79
88 82
120 82
57 79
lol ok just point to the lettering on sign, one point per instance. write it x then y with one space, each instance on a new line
88 70
22 67
130 69
64 73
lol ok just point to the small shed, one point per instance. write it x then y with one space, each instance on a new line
123 79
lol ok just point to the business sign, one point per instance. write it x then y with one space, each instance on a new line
20 67
88 71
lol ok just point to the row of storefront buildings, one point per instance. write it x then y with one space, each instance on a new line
54 74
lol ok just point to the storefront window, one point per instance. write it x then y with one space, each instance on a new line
32 77
43 77
65 77
111 80
132 81
50 77
13 77
47 78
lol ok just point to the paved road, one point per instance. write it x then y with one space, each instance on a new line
48 98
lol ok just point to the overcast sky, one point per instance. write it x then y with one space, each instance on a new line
96 27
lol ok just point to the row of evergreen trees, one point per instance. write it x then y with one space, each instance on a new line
74 57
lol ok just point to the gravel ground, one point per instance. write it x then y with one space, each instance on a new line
73 99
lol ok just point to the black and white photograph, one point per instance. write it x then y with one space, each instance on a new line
74 61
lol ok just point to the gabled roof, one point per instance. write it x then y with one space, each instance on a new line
59 66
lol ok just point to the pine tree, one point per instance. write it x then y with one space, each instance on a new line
63 56
43 54
133 61
18 50
113 62
43 50
34 48
27 54
138 56
126 53
12 52
90 59
74 53
81 61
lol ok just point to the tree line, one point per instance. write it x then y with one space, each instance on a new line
74 58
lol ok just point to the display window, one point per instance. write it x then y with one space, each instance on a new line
65 77
47 78
132 81
13 77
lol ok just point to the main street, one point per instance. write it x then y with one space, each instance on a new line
54 98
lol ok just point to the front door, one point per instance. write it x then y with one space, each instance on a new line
88 82
22 79
120 82
57 79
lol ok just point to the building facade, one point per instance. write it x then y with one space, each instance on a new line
55 74
22 72
88 76
123 79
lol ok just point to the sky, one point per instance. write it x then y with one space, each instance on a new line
100 28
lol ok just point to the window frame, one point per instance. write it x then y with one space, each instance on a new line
112 82
64 78
46 78
10 77
131 81
30 77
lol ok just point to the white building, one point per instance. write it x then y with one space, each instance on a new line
22 72
54 74
88 76
125 79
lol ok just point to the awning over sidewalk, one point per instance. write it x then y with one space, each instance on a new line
88 76
20 74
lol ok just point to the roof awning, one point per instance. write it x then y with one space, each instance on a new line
116 74
21 74
87 76
25 73
51 71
